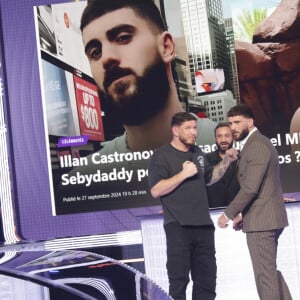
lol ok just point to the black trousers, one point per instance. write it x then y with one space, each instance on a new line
191 250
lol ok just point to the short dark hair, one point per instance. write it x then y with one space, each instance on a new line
241 110
182 117
220 125
143 8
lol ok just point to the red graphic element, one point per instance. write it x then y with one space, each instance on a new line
89 109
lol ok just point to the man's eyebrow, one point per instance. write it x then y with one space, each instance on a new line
113 33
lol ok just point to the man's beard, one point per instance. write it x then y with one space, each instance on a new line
222 150
244 133
186 142
148 97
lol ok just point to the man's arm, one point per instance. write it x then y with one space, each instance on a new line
165 186
220 169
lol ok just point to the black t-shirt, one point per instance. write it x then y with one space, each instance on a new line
221 193
188 203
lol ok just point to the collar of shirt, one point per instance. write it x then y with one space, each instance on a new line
244 141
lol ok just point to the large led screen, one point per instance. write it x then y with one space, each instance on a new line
71 168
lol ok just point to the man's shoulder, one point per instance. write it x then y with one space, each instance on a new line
257 135
118 144
163 149
260 139
160 153
260 145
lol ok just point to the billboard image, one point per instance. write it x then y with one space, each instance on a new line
209 80
84 175
268 73
104 172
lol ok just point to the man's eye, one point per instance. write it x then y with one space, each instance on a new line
93 50
94 53
123 38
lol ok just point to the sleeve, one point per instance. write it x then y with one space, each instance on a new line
208 170
157 169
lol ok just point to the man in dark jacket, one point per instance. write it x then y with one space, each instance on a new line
222 192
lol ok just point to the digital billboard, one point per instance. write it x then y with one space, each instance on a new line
65 169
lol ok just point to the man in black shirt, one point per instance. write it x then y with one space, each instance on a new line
221 193
178 173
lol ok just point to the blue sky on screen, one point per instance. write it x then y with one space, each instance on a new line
234 7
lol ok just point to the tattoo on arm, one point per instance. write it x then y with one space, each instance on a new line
219 170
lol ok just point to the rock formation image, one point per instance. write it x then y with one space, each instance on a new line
269 70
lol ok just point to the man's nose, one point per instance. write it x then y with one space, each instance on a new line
110 57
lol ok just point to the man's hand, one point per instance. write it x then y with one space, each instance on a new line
223 221
232 154
189 169
166 186
238 222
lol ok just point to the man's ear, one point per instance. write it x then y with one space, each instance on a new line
250 123
175 130
166 47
